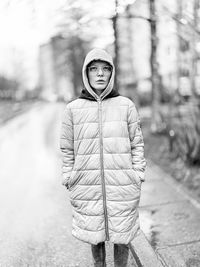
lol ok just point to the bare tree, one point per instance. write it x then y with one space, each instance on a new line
133 80
116 42
154 69
76 42
178 53
193 72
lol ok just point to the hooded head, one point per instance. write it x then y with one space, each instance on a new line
96 55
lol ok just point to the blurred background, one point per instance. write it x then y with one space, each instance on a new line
156 50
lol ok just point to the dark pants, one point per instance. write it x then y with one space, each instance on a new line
121 253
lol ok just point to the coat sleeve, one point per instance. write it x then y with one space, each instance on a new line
137 143
67 146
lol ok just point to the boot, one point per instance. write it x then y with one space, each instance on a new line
99 254
121 253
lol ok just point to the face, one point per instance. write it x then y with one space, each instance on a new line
99 73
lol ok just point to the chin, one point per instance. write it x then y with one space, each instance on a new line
98 88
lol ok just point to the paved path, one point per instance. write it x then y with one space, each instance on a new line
170 218
35 217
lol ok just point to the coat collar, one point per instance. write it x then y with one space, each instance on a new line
86 95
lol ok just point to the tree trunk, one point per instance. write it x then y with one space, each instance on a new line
178 28
155 118
116 45
193 72
130 53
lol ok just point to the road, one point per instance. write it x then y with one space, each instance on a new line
35 215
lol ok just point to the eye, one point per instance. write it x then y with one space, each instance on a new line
107 69
92 69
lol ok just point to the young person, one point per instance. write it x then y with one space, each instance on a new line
103 161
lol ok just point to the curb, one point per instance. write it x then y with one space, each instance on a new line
143 253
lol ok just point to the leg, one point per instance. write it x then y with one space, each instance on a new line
99 254
121 253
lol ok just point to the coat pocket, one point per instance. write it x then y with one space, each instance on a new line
136 178
74 179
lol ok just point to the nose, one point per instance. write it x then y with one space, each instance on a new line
100 72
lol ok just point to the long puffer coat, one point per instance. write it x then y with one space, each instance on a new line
103 162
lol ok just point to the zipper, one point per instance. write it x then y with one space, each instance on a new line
102 169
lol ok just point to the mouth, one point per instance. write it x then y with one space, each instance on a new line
100 81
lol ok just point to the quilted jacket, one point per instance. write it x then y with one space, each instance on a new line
103 162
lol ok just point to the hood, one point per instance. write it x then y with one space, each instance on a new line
87 92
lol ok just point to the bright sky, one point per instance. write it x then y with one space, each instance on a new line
25 24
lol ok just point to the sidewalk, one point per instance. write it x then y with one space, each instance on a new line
11 109
170 219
